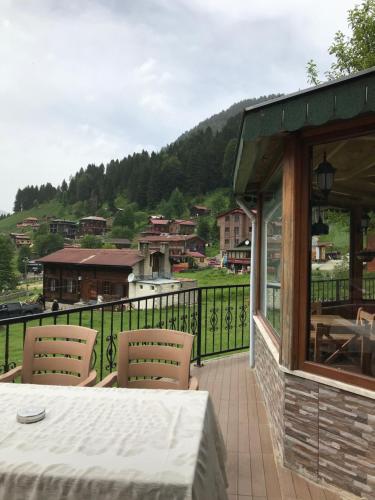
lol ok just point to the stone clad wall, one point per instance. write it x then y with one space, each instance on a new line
271 381
325 433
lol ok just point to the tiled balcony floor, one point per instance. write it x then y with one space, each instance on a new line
253 473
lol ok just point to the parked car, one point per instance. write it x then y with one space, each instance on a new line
14 309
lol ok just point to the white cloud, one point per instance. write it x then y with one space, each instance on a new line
84 82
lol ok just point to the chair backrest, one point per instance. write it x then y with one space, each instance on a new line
154 359
365 318
57 354
316 307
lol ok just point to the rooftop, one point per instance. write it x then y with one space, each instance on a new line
264 126
94 257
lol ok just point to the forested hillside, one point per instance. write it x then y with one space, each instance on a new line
217 121
195 164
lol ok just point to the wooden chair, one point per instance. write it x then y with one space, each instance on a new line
56 355
153 359
366 320
316 307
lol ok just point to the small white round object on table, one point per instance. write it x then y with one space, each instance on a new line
30 414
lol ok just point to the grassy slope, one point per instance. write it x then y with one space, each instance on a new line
50 209
214 276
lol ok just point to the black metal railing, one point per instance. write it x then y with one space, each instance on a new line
338 290
218 317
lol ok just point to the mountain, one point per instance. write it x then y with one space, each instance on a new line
217 121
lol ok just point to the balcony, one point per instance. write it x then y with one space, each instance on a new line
219 318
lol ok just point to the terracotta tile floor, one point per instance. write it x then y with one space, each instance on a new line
253 473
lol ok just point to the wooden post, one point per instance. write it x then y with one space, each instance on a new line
295 237
356 265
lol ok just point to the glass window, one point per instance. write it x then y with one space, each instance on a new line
342 268
271 251
107 287
53 284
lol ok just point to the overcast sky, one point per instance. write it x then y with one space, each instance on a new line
85 81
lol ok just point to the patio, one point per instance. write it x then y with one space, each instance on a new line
253 472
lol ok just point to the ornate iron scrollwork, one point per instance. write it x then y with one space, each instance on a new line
214 319
111 351
172 323
194 322
243 315
6 367
184 319
228 317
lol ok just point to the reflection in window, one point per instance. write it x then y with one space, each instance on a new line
342 284
271 252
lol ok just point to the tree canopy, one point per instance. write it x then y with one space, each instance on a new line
7 278
352 53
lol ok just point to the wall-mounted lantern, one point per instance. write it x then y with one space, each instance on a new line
325 175
365 222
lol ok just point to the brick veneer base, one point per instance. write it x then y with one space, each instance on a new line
325 433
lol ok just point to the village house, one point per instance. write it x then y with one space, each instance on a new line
119 242
199 211
20 239
158 225
180 226
93 225
81 274
67 229
320 250
238 258
180 246
234 226
29 222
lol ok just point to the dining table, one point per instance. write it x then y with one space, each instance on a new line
110 444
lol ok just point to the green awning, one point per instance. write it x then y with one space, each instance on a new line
340 99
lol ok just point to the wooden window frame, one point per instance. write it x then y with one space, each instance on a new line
302 173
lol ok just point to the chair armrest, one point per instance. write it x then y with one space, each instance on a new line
89 381
108 381
193 384
11 375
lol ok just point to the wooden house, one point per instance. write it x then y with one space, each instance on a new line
93 225
199 211
67 228
21 239
81 274
179 245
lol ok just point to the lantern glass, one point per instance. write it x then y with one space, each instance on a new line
365 221
325 174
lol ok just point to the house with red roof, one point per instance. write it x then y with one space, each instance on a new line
180 246
82 274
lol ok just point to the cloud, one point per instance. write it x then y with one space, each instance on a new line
84 82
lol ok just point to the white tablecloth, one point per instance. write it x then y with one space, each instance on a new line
110 444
